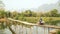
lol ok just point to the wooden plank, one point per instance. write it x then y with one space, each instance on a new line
22 22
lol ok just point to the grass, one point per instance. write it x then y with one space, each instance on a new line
48 20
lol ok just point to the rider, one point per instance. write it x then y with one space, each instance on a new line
41 22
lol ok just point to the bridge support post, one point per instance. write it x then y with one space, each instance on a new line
22 28
48 30
44 30
30 30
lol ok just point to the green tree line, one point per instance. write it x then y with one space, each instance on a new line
29 13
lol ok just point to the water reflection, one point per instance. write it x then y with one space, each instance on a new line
5 31
24 30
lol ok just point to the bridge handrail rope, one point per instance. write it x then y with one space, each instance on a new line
49 26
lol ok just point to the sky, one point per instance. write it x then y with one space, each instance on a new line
26 4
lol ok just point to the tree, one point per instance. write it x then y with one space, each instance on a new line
28 13
2 13
54 13
34 14
8 14
14 14
2 5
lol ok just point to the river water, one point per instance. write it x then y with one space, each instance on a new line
24 30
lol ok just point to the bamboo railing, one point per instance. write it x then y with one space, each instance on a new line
35 28
28 28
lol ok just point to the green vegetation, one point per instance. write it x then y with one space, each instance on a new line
48 20
29 13
58 32
52 17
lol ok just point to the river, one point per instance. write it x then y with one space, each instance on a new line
24 30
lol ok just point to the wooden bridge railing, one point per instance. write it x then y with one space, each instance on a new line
37 29
34 29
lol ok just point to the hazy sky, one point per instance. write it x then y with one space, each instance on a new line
25 4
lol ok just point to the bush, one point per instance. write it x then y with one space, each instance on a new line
58 32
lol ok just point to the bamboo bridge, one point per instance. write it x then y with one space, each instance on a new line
29 28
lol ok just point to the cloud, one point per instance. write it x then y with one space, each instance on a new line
26 4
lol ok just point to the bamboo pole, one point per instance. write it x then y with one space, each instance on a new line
11 30
7 23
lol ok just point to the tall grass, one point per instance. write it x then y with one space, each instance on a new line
48 20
